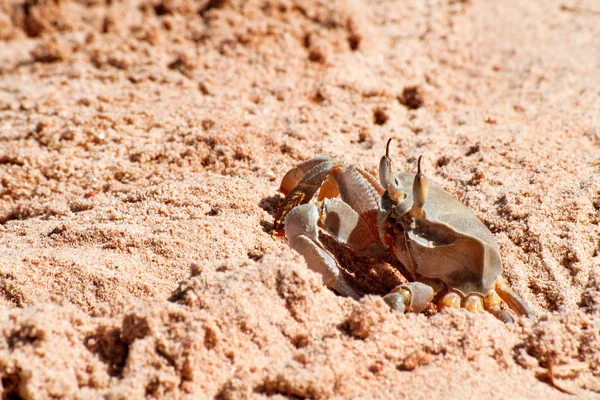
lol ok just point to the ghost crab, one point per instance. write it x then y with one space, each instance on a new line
447 254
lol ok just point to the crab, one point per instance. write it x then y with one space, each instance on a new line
448 256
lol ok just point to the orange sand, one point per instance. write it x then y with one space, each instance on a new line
141 147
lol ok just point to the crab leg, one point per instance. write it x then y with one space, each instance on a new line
413 296
295 175
513 300
492 304
450 299
302 233
300 184
362 193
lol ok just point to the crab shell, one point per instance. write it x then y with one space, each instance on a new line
450 243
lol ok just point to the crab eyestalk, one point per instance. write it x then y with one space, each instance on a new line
420 191
386 174
385 167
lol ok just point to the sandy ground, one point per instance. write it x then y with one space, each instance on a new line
141 148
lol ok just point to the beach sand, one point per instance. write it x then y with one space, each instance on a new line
142 143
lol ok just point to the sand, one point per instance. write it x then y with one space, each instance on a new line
141 148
